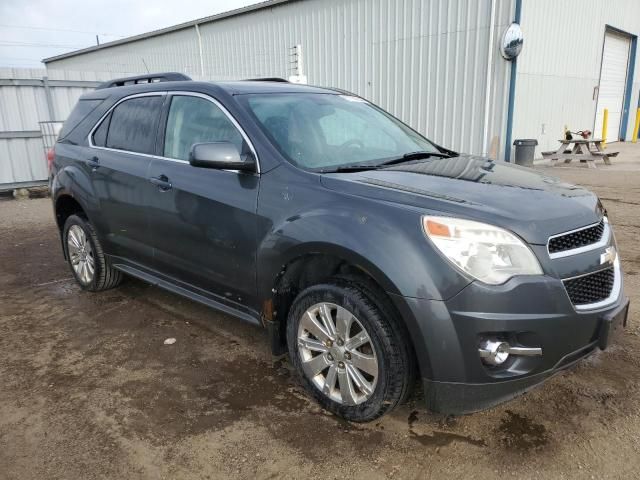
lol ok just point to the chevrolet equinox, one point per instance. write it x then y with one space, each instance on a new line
372 255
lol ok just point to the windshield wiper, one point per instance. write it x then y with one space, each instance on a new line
413 156
361 167
351 168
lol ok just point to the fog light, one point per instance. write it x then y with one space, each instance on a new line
494 352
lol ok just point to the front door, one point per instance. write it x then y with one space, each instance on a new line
203 221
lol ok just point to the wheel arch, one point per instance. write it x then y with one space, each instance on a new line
66 205
320 264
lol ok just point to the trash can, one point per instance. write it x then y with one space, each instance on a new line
525 151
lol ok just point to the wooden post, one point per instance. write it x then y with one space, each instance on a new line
605 121
634 139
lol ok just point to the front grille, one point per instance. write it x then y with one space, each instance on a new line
590 288
581 238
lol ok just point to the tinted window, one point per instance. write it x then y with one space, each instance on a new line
321 131
79 113
133 125
196 120
342 127
100 134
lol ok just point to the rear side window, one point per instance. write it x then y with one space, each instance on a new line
82 109
133 124
197 120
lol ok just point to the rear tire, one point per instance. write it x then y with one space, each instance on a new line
355 380
86 258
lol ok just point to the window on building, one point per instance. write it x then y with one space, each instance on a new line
197 120
133 124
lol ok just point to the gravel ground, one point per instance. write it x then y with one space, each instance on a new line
89 390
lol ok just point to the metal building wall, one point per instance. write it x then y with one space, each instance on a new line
24 103
560 65
425 61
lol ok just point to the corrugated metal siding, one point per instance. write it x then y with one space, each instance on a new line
175 51
424 61
21 108
22 161
560 65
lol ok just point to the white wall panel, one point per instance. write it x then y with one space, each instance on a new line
423 60
560 65
23 104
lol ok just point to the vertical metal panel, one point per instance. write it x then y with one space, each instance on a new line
22 107
423 60
21 161
560 64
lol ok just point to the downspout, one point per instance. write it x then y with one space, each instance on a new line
512 93
200 50
487 93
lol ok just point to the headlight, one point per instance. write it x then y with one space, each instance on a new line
490 254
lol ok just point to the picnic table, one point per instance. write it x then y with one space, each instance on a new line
584 149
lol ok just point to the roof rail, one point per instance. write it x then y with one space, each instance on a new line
267 79
148 78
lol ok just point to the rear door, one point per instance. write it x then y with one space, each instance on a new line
203 221
121 148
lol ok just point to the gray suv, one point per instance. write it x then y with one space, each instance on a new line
373 256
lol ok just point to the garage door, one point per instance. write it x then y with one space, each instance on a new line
613 82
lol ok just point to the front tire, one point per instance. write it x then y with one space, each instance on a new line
350 355
86 259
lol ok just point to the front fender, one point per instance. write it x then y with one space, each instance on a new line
383 239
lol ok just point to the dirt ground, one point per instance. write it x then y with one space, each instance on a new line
89 390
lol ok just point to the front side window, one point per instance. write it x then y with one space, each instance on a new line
134 123
323 131
197 120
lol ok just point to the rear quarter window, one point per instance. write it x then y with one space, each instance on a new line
82 109
100 133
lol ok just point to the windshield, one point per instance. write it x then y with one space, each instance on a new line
324 131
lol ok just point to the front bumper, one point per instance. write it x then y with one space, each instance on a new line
447 335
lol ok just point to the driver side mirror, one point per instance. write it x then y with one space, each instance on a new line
220 155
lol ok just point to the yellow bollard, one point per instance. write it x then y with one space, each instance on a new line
634 139
605 120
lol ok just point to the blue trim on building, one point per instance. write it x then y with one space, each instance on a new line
512 93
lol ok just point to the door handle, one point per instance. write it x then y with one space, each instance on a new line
94 163
162 182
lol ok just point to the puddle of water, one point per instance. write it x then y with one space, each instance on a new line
442 439
521 433
413 418
437 438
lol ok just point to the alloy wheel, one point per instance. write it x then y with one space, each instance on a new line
337 354
80 254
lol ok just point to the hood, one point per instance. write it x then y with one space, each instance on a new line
525 201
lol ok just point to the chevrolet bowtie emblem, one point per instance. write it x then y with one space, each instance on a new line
609 255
